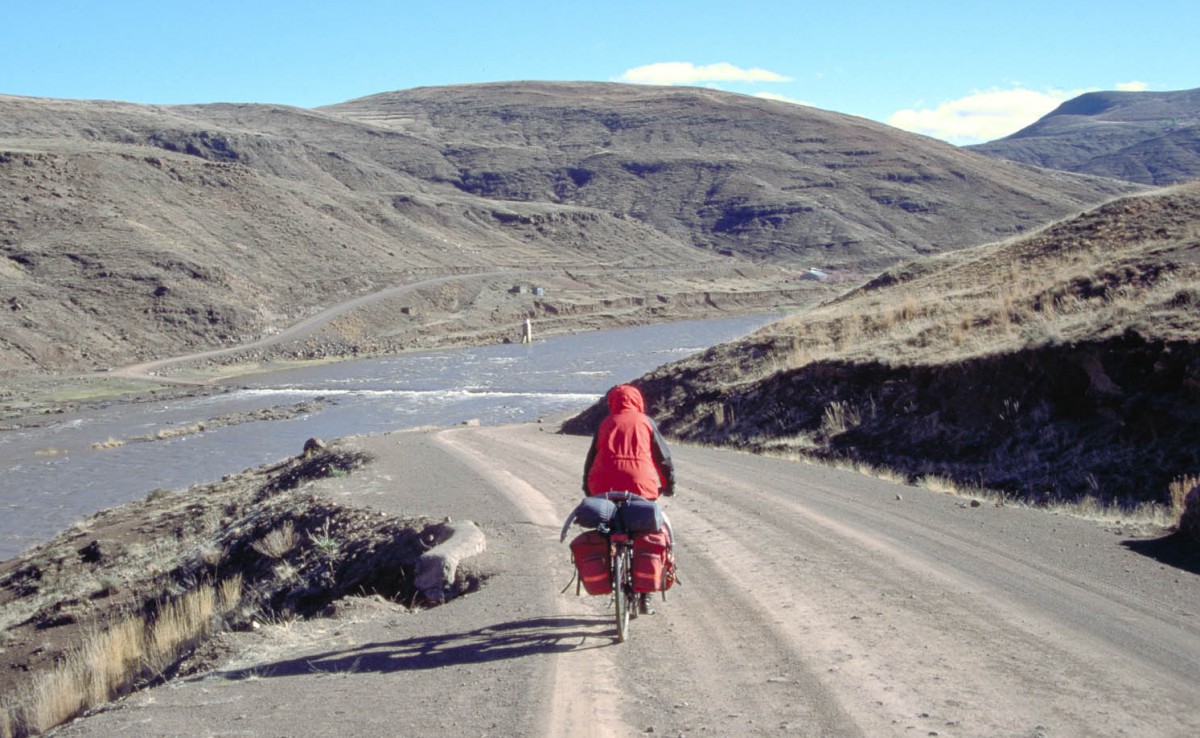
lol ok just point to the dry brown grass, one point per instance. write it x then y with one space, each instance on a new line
1179 490
163 434
278 543
111 662
110 657
839 417
1089 508
1085 278
180 623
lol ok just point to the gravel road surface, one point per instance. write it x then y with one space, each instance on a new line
813 602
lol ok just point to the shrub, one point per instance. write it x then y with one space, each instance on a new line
278 543
110 662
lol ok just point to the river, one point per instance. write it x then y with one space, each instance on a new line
53 475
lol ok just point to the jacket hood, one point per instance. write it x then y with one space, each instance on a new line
625 397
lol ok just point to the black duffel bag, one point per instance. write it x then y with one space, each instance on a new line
639 515
595 512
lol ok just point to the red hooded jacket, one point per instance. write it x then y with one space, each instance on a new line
628 453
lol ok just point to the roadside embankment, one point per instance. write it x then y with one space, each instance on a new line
253 547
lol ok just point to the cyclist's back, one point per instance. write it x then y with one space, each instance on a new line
627 452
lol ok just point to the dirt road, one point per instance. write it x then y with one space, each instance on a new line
814 603
148 370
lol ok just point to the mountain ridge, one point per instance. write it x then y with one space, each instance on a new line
135 231
1146 137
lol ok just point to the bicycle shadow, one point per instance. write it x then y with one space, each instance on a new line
512 640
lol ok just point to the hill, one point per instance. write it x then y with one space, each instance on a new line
1058 366
1146 137
132 232
727 173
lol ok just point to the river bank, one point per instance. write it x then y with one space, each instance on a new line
273 551
88 454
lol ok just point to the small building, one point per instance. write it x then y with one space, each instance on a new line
524 289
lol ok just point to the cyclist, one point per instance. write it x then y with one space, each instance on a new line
629 454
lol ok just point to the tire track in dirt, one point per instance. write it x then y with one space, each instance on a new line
814 602
828 612
915 639
700 663
146 371
584 694
1083 601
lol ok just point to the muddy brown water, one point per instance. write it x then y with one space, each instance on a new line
53 475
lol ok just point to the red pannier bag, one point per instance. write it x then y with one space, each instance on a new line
653 562
590 553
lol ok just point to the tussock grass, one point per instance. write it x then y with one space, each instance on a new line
180 623
1089 508
113 661
278 543
1097 273
839 417
110 657
1179 490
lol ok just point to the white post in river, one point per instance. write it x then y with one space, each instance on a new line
527 337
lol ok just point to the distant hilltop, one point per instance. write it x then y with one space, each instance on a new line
1150 138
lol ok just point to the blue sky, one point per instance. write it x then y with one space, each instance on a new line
964 72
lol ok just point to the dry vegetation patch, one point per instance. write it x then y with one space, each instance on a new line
122 598
1061 367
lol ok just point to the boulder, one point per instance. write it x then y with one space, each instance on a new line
437 567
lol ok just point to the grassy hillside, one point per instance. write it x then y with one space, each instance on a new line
727 173
1055 367
1146 137
131 232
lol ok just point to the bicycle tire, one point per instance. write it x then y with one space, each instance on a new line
622 593
631 597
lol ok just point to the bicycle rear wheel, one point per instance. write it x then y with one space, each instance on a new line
623 595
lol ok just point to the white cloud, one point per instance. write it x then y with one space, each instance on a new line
981 116
686 73
1132 86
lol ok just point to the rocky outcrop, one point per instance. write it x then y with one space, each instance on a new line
437 569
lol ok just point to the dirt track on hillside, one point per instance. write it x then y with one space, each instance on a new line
148 370
814 602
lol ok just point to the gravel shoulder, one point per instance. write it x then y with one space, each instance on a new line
813 602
